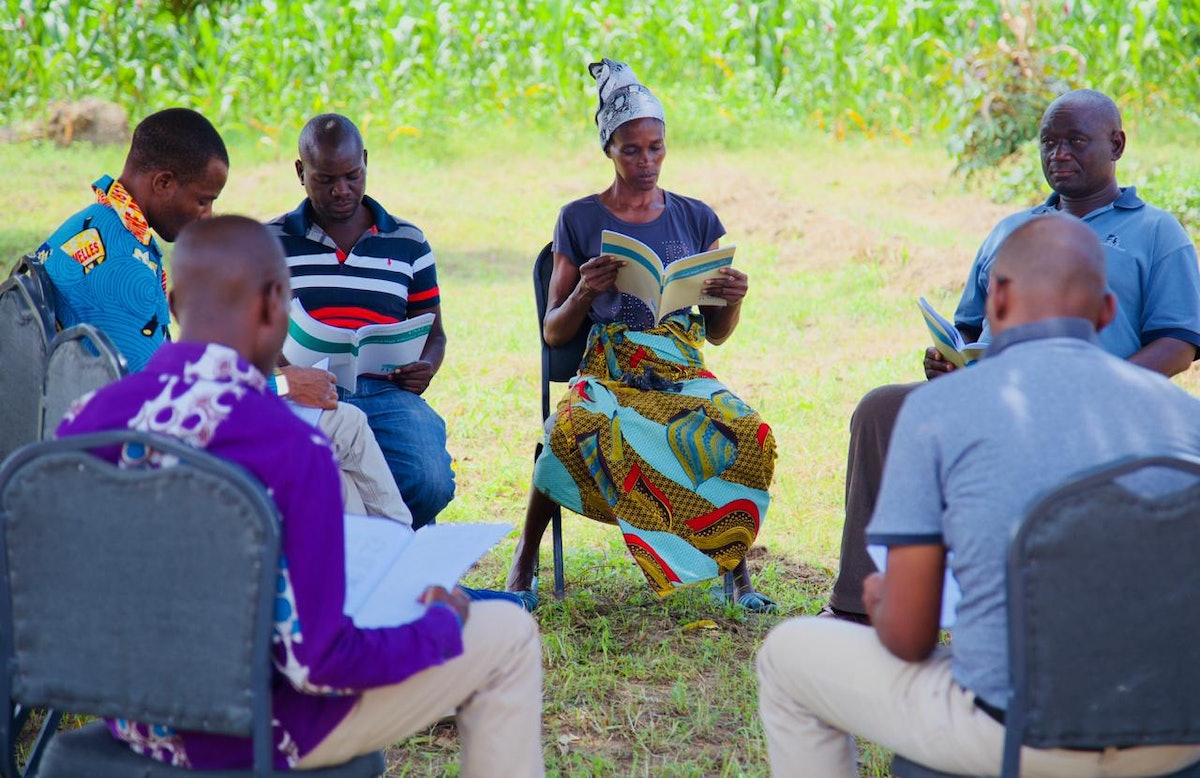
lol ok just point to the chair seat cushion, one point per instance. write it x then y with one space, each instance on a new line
94 752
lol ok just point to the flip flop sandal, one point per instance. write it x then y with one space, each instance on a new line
757 602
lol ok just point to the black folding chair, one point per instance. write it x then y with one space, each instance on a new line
142 594
559 364
1103 592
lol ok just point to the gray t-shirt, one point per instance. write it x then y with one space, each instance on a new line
973 449
685 227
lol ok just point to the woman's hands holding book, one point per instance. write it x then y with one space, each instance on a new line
598 274
732 285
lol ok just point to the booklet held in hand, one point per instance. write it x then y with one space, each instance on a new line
947 339
389 567
376 349
665 290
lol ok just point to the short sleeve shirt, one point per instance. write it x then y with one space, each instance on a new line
685 227
972 450
1152 272
388 276
108 271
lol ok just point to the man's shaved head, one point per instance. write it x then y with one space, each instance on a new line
1050 267
1080 141
328 131
333 171
231 287
1097 104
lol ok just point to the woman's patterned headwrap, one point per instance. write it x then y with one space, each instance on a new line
622 98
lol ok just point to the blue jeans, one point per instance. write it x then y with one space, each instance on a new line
413 439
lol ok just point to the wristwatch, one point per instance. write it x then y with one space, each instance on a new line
281 383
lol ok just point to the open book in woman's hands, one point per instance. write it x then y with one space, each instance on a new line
948 340
664 290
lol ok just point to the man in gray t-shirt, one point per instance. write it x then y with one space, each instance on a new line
969 453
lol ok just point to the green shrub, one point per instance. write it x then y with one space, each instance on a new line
1002 87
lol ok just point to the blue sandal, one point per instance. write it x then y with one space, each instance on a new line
757 602
528 597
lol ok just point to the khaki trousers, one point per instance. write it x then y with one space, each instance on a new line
495 687
823 680
367 483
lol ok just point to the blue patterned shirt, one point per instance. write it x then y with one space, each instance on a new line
108 271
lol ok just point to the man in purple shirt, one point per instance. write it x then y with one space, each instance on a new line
342 691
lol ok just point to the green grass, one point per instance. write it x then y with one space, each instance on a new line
838 239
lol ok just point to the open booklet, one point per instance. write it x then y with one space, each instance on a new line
388 566
376 349
664 290
947 339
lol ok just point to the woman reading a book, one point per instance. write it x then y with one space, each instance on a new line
647 438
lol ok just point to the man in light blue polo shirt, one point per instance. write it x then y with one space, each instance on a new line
1152 271
970 451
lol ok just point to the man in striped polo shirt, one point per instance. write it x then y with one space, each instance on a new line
353 264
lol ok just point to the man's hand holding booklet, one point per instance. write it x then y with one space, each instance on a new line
389 567
948 340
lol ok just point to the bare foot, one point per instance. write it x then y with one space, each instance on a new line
520 575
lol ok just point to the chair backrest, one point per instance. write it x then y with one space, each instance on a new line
81 359
33 268
1103 597
141 593
559 363
26 327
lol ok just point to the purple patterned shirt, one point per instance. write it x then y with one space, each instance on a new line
205 395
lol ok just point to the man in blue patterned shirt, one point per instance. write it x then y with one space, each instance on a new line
106 265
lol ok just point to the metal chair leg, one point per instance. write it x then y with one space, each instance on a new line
556 537
49 727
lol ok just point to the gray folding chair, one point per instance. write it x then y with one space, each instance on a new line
559 365
1103 592
29 265
144 594
26 327
81 359
27 323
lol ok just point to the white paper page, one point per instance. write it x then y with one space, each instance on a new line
307 414
380 354
323 343
437 555
951 594
373 544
